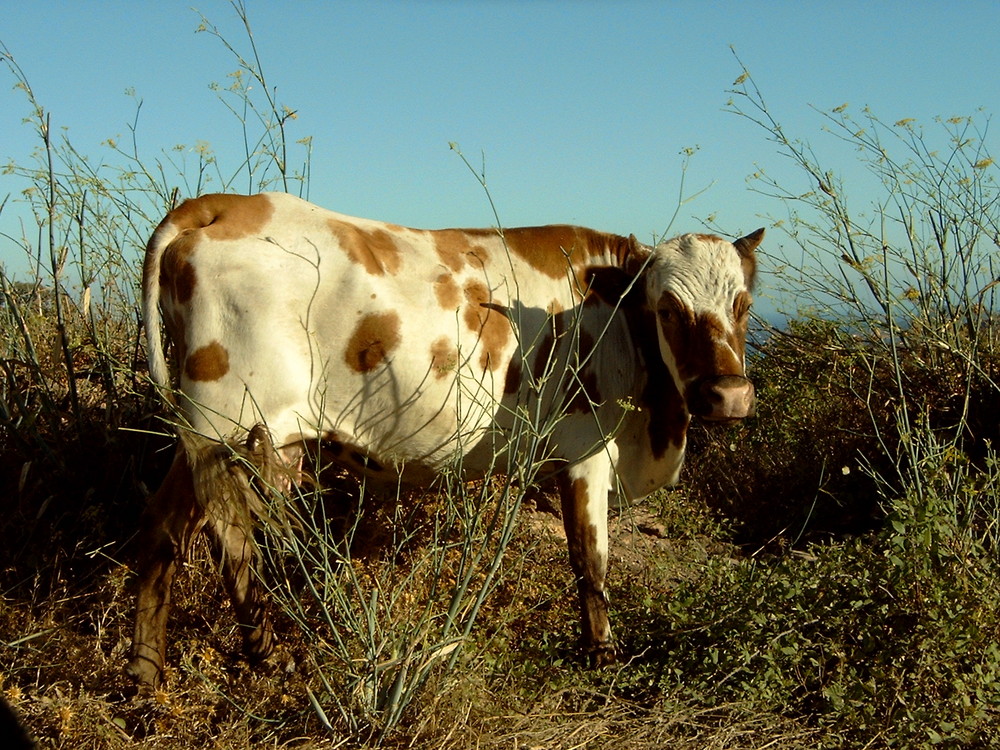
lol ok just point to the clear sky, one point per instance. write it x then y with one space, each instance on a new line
581 108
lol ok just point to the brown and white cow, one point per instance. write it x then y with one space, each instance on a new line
404 349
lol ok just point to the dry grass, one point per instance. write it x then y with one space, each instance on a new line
62 669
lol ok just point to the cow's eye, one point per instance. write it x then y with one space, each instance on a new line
741 307
669 310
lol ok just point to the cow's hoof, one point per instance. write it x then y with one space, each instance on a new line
280 660
259 644
144 674
602 655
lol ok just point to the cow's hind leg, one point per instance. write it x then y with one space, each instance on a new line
227 493
205 488
584 488
171 520
234 550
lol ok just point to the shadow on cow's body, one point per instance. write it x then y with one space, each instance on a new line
406 353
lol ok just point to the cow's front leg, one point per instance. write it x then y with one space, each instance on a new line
584 488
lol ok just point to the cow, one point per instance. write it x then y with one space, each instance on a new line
401 350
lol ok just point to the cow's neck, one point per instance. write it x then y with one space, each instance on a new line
654 435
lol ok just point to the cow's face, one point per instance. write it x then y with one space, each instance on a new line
698 289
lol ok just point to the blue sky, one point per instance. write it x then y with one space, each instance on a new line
580 108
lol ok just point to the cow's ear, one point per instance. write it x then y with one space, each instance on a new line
638 255
746 246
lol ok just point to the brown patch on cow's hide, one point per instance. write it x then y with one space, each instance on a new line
207 363
477 294
375 337
581 535
702 346
574 496
682 334
628 253
376 250
612 286
177 275
553 250
741 316
668 418
546 249
492 327
668 414
586 395
542 354
457 247
451 246
719 359
216 216
477 257
448 293
707 237
444 357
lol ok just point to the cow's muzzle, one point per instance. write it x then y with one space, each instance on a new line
726 398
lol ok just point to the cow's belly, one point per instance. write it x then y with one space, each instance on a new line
401 414
405 422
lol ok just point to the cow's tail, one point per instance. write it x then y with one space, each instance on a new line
243 481
155 355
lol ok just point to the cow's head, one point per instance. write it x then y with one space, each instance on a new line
697 288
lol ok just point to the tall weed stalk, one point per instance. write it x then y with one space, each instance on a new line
911 275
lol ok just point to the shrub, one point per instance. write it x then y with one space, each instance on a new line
892 636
